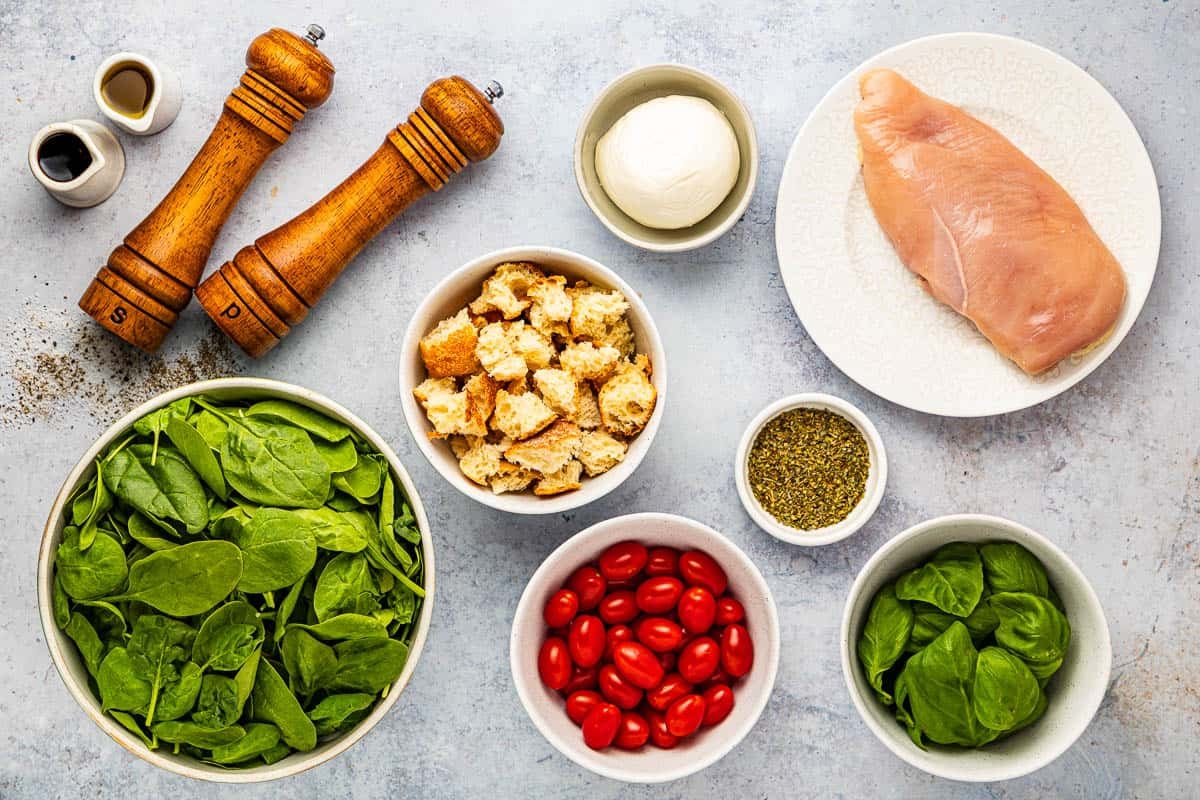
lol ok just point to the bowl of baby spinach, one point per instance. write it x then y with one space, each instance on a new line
974 648
236 580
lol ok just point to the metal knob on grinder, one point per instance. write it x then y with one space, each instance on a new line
149 278
269 286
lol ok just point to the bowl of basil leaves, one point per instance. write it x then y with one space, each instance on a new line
974 648
236 580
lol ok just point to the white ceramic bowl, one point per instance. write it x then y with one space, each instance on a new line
546 707
66 657
1074 693
462 286
621 96
876 476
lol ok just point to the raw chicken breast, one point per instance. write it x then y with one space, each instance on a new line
986 230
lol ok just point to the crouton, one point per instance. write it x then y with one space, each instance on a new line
550 308
449 349
511 478
627 399
594 312
619 336
587 410
521 415
565 480
547 452
558 389
482 391
480 460
532 345
599 451
449 411
587 362
497 355
507 289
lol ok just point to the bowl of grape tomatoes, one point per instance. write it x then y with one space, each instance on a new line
645 647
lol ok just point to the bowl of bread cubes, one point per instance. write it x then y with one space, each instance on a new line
532 379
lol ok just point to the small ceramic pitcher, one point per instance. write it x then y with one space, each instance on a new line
163 98
98 168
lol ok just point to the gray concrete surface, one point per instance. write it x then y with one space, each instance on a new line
1110 470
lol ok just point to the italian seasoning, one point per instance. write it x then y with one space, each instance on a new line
808 468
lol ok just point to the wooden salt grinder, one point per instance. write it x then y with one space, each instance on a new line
150 277
270 285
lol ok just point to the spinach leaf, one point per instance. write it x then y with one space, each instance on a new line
87 640
286 608
1009 567
308 662
217 706
130 724
228 636
332 530
275 551
100 504
93 572
889 625
146 532
362 482
185 580
938 684
340 456
345 586
952 580
156 645
302 417
184 732
178 696
165 489
346 626
274 465
337 712
211 428
1004 692
260 737
60 603
367 665
272 701
1030 626
120 684
198 454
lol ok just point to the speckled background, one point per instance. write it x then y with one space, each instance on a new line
1110 470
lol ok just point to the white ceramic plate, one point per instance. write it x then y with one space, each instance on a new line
860 304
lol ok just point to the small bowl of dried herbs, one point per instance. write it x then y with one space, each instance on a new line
811 469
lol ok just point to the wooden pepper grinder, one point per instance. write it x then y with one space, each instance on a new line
150 277
270 285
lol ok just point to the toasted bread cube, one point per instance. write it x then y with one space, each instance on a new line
620 336
599 451
480 461
627 399
511 478
565 480
549 451
496 354
482 391
587 410
532 345
594 312
551 307
449 349
558 389
448 410
507 289
520 416
587 362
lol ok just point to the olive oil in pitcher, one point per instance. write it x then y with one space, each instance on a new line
127 89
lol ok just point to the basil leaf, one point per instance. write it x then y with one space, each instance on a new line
1009 567
275 551
274 465
1004 691
302 417
938 684
952 580
887 630
165 488
1030 626
185 580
